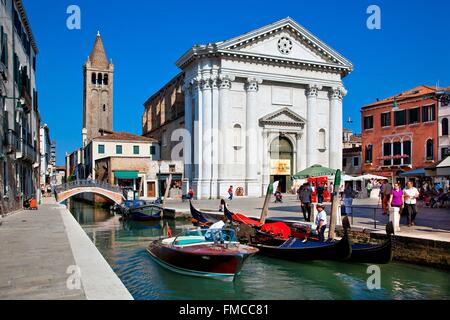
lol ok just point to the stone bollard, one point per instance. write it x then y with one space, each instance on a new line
394 217
313 213
339 217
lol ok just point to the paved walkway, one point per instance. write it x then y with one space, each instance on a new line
39 253
433 224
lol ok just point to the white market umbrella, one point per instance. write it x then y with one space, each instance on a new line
372 177
351 178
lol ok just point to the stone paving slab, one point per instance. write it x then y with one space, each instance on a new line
35 254
38 247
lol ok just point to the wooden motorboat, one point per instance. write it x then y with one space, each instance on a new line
205 253
373 253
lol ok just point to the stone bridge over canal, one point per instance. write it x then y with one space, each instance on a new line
68 190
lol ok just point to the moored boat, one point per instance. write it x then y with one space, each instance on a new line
204 253
298 250
201 218
373 253
147 212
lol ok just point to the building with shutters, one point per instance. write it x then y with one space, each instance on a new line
400 133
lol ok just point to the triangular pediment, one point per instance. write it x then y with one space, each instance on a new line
285 39
283 117
284 42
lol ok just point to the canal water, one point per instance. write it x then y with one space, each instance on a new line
123 245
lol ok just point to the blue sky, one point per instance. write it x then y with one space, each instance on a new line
145 38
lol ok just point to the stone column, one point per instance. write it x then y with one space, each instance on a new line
266 160
189 135
215 136
197 136
335 134
312 92
299 153
224 130
206 159
251 147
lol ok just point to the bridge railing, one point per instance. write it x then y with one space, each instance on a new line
87 184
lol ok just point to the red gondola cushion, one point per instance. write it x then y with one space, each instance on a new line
278 229
245 220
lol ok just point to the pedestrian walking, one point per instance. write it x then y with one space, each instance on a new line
411 194
230 193
385 195
396 203
369 188
299 190
320 192
191 194
348 196
305 199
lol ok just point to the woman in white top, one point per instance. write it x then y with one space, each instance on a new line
411 194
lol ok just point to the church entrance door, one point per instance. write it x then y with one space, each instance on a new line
281 163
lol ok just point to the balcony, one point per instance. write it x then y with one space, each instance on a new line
11 141
25 95
26 152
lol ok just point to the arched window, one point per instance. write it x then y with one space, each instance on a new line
322 143
93 78
105 79
99 79
104 107
281 149
445 127
430 150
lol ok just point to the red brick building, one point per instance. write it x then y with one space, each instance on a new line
400 133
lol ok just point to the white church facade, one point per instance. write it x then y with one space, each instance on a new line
259 107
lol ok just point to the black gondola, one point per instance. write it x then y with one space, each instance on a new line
202 217
298 250
376 254
227 211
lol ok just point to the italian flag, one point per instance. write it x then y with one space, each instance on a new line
273 187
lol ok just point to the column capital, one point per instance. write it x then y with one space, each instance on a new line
252 84
337 93
205 84
298 136
194 84
312 90
187 87
225 81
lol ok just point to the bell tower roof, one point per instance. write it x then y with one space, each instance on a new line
98 55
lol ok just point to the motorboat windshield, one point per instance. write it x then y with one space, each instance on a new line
196 236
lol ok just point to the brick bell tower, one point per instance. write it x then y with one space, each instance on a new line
98 93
